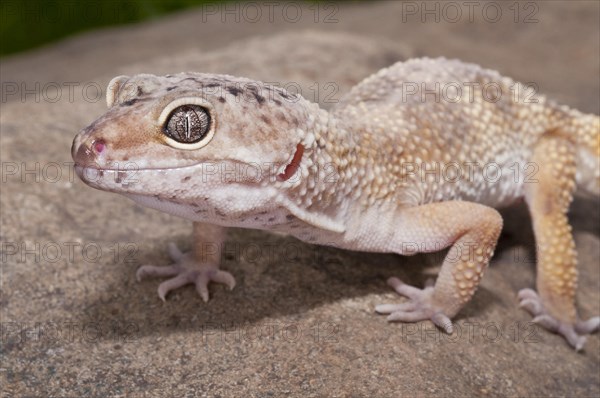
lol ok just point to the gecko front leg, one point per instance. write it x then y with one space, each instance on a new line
472 230
200 266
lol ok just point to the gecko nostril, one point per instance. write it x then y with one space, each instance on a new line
83 155
98 146
87 154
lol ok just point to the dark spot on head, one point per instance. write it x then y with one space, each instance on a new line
271 219
234 91
140 91
171 88
134 101
186 178
265 119
259 98
221 100
276 101
285 95
211 85
129 102
192 78
289 217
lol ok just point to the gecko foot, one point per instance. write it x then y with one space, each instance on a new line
420 306
186 270
573 333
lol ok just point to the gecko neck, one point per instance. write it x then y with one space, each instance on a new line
324 187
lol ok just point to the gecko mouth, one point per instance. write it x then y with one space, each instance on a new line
82 169
99 177
124 177
230 170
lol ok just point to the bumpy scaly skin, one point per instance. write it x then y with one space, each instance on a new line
414 159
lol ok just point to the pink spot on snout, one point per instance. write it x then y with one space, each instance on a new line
98 146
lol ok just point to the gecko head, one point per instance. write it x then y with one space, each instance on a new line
190 137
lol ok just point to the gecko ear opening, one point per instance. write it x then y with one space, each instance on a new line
292 167
113 89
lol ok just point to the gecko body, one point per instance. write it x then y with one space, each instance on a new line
413 159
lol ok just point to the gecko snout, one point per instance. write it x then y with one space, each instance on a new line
86 154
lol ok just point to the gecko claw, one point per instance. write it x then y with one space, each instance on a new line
217 276
173 283
418 308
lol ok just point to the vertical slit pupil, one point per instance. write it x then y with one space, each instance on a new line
188 124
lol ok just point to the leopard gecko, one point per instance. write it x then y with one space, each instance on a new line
416 158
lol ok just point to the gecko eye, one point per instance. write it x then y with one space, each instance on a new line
188 124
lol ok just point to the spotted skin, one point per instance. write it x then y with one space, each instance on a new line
416 158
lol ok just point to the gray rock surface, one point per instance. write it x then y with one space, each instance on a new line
300 321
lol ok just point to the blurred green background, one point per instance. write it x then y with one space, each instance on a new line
26 24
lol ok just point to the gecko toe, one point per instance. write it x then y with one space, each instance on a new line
174 252
154 271
443 322
547 322
390 308
534 307
528 294
574 339
407 316
202 286
225 278
172 284
402 288
590 326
